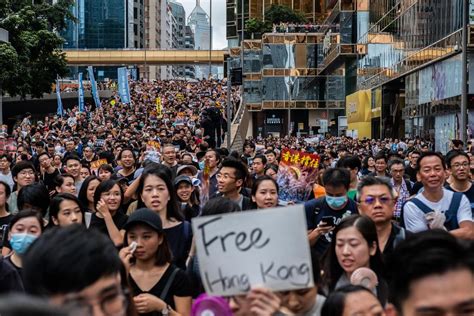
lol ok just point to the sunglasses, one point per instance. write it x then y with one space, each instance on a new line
370 200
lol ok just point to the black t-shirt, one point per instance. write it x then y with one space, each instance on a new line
180 287
48 179
317 209
469 194
411 172
10 280
99 223
4 222
179 239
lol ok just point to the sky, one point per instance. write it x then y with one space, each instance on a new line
218 19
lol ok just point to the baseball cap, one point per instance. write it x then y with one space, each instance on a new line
180 179
147 217
193 169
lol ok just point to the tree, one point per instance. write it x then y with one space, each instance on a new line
281 13
33 59
257 26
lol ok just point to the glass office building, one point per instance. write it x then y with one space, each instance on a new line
103 24
283 81
412 67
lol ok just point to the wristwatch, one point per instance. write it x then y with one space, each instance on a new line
165 311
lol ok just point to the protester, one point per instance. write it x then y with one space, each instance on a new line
105 172
79 270
352 300
109 218
86 194
376 200
437 207
265 193
158 286
272 171
402 187
460 175
5 216
354 246
25 227
432 271
258 166
304 302
47 171
5 172
23 173
325 213
410 169
186 193
157 193
380 166
230 182
65 183
65 209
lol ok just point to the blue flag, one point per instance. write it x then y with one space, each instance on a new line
95 93
124 90
81 94
60 110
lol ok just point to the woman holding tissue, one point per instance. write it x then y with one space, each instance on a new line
354 246
158 286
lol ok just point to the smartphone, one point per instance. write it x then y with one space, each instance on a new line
328 221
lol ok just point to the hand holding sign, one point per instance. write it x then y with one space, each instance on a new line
268 248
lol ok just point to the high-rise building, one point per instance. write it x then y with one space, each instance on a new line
189 45
199 22
179 28
106 24
101 24
156 33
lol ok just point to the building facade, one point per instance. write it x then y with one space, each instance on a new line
313 10
189 70
102 24
286 88
199 22
179 29
412 69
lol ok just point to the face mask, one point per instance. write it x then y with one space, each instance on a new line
336 201
202 164
21 242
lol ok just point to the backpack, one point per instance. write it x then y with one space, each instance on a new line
451 213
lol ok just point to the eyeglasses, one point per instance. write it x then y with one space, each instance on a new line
459 165
224 176
115 303
370 200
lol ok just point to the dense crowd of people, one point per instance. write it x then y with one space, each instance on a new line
95 212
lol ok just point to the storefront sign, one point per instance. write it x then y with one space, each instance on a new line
241 250
273 120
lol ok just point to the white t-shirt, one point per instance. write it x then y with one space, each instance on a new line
414 218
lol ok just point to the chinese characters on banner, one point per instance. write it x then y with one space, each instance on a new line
296 174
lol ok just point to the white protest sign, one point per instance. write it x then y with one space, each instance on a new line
267 248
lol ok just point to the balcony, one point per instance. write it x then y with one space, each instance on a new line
338 52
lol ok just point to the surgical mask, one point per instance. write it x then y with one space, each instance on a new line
336 201
21 242
202 164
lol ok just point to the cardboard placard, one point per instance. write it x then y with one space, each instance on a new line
297 173
153 145
97 163
267 248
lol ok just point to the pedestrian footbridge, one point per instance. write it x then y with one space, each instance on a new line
96 57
